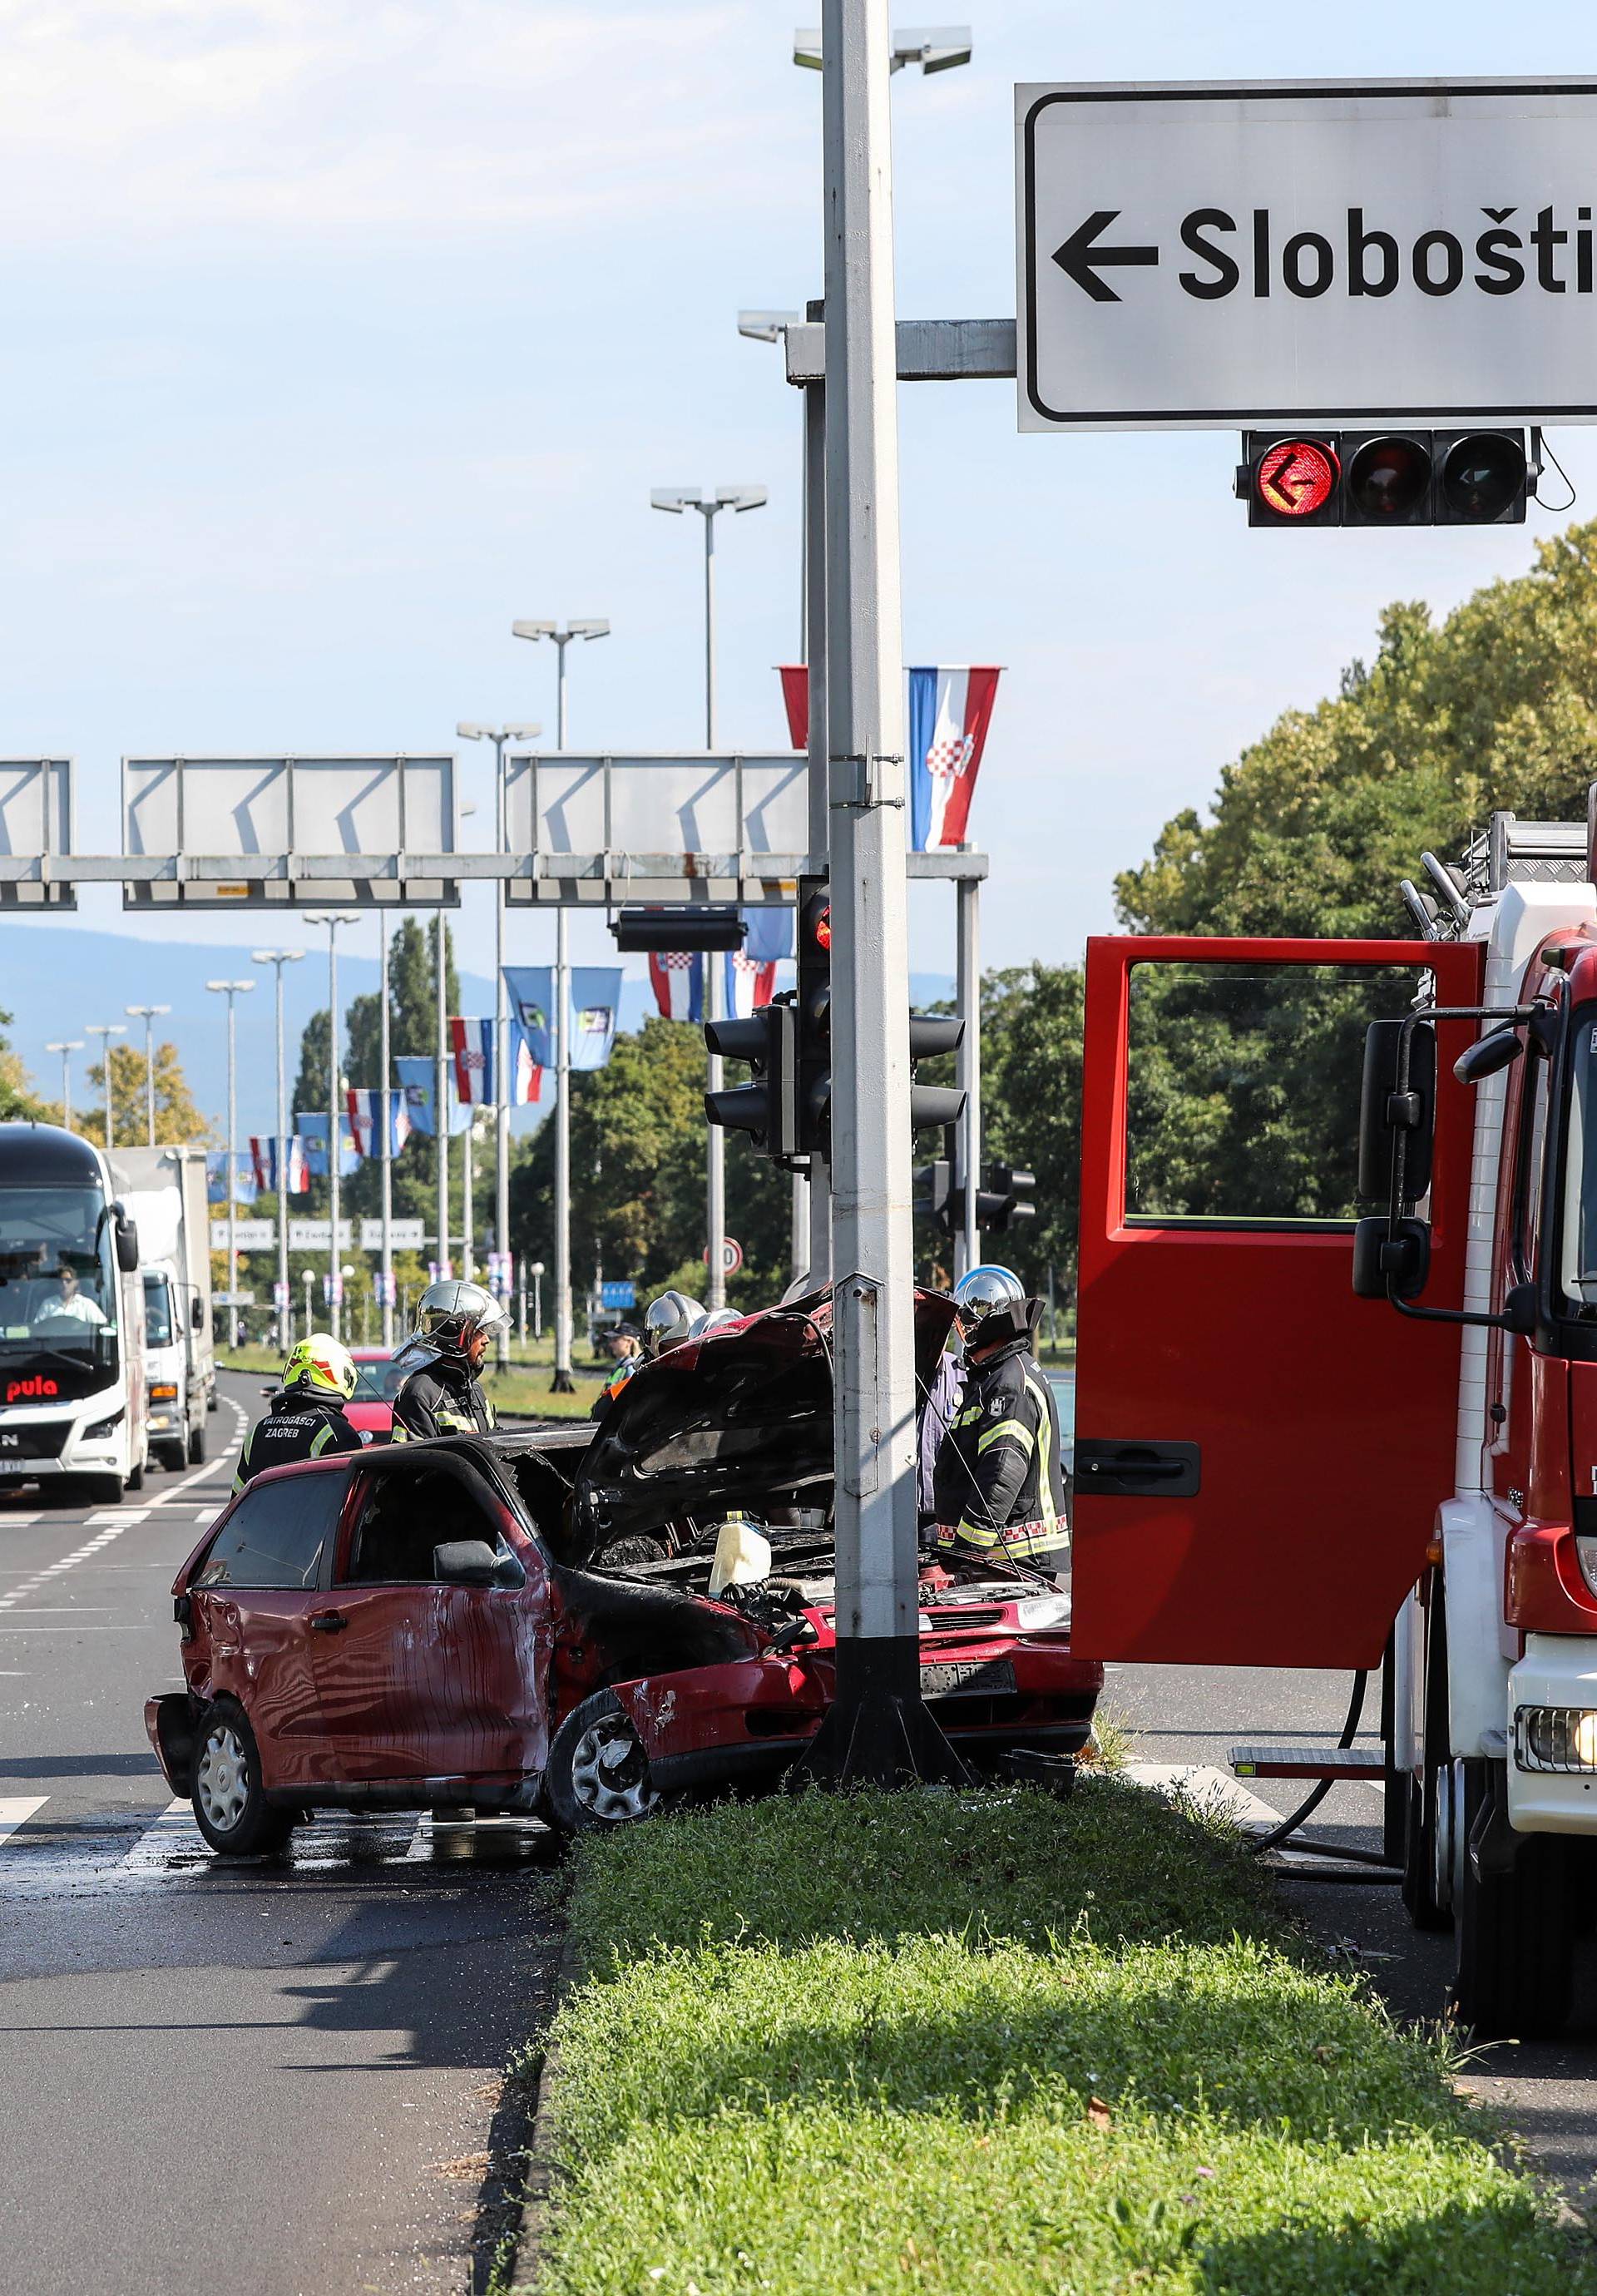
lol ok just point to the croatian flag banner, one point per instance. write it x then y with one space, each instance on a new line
677 976
949 713
471 1058
364 1108
264 1157
749 983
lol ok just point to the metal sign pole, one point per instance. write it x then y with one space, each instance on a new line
334 1133
441 1094
385 1117
285 1313
878 1730
504 1077
715 1251
563 1383
814 604
967 1070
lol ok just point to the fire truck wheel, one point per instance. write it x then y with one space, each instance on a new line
1426 1860
1516 1935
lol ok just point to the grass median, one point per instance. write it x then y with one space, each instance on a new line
991 2046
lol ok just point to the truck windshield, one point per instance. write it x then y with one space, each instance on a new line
58 1285
158 1326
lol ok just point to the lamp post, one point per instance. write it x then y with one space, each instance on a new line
66 1047
934 51
148 1015
709 503
231 991
563 1383
499 735
105 1030
334 1119
279 957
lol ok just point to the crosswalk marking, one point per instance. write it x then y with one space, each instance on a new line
174 1829
16 1809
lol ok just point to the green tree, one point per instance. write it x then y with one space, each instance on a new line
177 1118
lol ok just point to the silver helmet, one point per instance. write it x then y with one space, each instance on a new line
451 1312
984 1291
713 1322
667 1321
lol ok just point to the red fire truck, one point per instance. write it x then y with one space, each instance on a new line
1337 1385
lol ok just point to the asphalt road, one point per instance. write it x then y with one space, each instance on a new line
276 2076
1547 2091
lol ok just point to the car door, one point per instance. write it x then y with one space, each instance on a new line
255 1592
1259 1454
417 1678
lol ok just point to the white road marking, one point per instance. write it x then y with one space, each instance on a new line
16 1809
174 1829
1209 1787
101 1539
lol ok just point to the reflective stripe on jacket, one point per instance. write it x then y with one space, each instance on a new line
296 1427
441 1398
999 1485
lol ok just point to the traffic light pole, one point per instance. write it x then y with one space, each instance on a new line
714 1223
967 1070
878 1730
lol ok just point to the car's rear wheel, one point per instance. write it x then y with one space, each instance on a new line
598 1774
231 1808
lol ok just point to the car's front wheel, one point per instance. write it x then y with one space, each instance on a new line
598 1774
231 1808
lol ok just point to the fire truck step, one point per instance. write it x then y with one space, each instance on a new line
1366 1763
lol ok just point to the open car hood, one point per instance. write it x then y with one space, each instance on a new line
739 1420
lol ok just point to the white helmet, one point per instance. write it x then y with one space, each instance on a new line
668 1321
712 1321
984 1291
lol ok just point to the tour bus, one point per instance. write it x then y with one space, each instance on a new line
72 1403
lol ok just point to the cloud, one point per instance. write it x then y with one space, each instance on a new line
349 118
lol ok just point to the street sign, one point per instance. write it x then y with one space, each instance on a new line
617 1294
233 1299
253 1234
404 1234
316 1235
732 1255
1218 257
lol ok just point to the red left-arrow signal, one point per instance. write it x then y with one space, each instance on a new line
1081 260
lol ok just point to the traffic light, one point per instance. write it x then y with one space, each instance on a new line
766 1109
815 1017
932 1186
1388 478
933 1104
1009 1190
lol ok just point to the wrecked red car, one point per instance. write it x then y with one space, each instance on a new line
522 1622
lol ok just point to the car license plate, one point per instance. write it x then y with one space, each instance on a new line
25 1466
967 1678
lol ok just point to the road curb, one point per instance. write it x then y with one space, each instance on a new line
509 2250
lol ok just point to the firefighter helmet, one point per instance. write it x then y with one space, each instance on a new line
322 1364
667 1321
452 1312
984 1291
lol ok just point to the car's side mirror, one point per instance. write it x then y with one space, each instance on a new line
1519 1309
1487 1054
1394 1109
128 1245
473 1563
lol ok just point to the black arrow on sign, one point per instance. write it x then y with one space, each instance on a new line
1080 260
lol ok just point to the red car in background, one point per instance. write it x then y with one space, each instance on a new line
522 1622
371 1409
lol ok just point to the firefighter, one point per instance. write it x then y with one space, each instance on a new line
668 1321
626 1345
456 1322
999 1486
305 1421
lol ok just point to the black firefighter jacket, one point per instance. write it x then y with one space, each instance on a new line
999 1485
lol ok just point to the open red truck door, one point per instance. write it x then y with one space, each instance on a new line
1259 1452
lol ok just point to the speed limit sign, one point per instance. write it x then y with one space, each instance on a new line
732 1255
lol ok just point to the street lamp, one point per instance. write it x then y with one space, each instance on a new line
66 1047
499 735
563 1383
148 1015
709 502
105 1030
231 991
285 1309
938 48
334 1116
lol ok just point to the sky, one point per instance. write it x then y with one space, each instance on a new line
338 335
